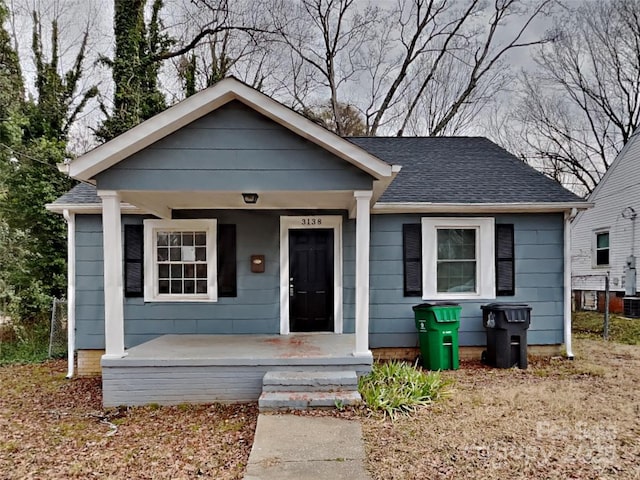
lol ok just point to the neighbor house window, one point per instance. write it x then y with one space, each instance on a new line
458 258
602 249
180 260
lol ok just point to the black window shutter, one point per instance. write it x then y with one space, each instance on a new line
505 260
227 286
412 259
133 260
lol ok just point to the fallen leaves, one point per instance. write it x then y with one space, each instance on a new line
54 428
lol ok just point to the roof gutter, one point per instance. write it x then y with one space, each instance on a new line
71 290
427 207
90 208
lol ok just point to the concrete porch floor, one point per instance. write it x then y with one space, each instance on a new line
175 369
299 348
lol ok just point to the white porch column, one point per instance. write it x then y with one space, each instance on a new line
113 290
363 232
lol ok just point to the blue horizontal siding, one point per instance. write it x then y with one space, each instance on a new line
217 180
233 149
89 283
256 309
539 282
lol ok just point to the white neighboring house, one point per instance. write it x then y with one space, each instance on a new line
606 238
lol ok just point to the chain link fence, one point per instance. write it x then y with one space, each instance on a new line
58 335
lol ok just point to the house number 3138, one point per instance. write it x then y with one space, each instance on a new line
311 221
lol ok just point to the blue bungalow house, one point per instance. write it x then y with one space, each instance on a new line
229 239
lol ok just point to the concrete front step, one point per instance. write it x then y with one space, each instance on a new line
303 400
310 381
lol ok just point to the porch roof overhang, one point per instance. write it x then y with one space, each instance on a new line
338 200
161 203
143 135
90 208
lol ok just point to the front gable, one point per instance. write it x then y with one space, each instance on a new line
86 167
233 148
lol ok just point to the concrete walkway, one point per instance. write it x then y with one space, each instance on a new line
292 447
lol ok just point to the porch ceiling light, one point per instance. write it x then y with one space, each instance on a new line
250 198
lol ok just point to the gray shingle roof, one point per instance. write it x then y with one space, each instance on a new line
460 170
81 193
437 170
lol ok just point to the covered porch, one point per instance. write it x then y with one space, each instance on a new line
226 218
174 369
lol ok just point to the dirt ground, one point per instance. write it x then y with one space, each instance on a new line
564 419
53 428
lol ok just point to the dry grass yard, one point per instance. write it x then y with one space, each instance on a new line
575 419
559 419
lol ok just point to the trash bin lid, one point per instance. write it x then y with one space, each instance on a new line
505 306
425 306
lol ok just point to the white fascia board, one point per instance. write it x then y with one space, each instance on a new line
206 101
90 208
421 207
148 132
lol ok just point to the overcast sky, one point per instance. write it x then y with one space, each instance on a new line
75 15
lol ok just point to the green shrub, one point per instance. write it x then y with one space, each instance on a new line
398 388
25 344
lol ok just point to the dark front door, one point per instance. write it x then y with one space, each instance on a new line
311 280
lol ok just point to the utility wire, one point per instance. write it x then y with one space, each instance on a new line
21 154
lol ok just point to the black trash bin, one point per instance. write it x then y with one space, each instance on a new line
506 325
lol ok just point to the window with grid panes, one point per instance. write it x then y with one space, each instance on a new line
183 260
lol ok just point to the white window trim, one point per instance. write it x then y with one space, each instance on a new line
151 266
485 257
594 248
303 222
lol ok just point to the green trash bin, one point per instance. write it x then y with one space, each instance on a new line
437 325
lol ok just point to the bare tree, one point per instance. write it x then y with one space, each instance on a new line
417 66
326 39
215 39
453 60
582 103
